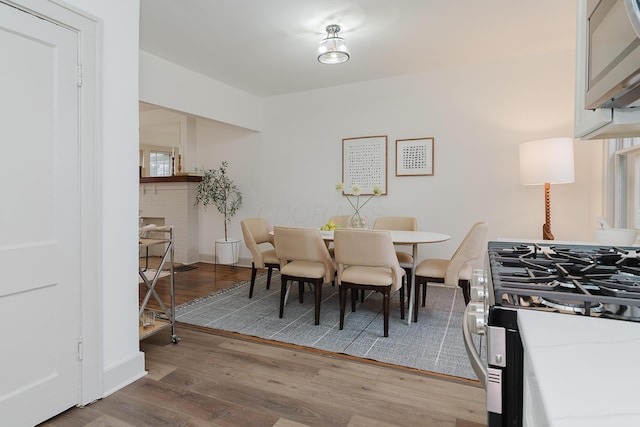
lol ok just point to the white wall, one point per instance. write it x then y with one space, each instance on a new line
161 128
196 94
478 117
123 362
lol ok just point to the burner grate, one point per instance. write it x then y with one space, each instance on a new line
589 280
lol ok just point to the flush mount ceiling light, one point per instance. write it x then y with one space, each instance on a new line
333 49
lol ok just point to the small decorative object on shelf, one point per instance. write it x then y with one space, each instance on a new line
357 219
148 319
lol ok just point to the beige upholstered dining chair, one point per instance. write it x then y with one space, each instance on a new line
456 271
367 261
402 223
259 241
304 258
341 221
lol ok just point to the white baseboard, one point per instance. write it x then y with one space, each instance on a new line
123 373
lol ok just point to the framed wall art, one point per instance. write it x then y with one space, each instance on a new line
364 162
414 156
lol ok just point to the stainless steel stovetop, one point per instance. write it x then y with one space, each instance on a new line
601 281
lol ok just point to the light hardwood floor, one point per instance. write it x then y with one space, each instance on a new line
222 379
201 281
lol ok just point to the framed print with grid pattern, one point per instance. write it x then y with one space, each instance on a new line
414 156
364 162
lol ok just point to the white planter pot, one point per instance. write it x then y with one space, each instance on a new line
226 251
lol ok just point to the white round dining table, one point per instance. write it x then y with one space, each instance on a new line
413 238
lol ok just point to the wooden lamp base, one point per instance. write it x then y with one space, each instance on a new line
546 227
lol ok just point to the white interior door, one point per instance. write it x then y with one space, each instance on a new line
39 219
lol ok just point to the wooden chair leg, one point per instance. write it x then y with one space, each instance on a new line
318 298
385 309
466 290
416 305
342 290
408 277
386 297
402 302
419 295
402 294
283 292
301 291
424 294
269 271
253 279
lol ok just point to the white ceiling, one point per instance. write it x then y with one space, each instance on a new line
268 47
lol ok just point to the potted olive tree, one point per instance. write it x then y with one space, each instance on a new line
216 188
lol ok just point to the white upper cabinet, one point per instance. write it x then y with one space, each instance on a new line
600 123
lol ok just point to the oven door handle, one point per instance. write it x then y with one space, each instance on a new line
474 357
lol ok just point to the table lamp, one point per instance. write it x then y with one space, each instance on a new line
547 161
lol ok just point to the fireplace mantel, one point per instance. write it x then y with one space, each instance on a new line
173 178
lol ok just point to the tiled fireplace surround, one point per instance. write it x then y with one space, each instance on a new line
171 201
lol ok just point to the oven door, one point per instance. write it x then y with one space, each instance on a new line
505 357
501 371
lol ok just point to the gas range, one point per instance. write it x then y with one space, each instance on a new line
574 279
551 277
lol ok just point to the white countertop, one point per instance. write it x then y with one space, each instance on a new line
586 369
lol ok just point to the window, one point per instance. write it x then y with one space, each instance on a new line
624 182
159 163
627 187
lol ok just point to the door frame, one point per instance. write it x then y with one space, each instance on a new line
89 30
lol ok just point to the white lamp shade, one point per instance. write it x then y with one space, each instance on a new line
547 161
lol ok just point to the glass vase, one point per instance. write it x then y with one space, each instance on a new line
358 221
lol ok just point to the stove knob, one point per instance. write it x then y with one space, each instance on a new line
478 293
476 323
476 318
476 307
478 277
478 285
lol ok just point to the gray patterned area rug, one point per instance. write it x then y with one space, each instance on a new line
433 344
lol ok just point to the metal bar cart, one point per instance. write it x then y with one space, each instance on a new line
152 321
